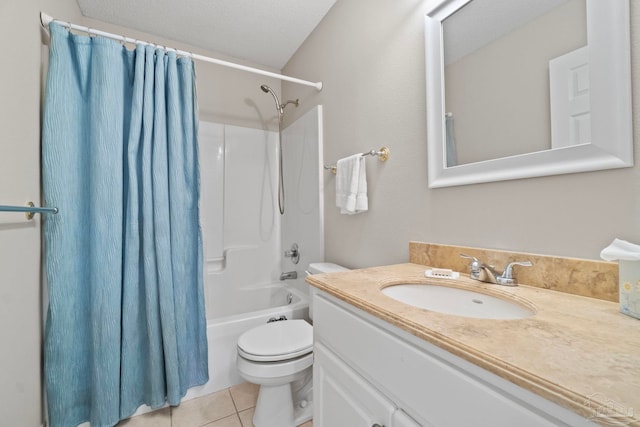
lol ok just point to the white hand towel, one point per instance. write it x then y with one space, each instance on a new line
351 185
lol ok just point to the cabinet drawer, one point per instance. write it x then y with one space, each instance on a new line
428 387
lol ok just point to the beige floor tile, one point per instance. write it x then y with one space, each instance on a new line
203 410
159 418
246 417
231 421
244 395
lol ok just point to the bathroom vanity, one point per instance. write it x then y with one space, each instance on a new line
380 362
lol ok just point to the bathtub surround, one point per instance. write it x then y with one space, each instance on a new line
241 236
211 146
244 240
126 321
303 219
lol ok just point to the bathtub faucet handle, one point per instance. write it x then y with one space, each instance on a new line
293 253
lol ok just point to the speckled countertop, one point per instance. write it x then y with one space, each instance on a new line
578 352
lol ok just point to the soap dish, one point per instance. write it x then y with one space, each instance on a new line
442 273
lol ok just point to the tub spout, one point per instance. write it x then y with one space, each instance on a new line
289 275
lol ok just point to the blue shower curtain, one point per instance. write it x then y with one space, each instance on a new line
126 322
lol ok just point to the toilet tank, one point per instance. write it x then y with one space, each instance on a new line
325 267
319 268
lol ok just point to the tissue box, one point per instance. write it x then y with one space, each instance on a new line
630 288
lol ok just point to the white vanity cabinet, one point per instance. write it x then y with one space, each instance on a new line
368 372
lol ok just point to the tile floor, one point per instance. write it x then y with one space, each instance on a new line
232 407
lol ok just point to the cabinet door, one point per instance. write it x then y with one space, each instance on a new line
344 399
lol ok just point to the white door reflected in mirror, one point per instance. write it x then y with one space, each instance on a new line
569 102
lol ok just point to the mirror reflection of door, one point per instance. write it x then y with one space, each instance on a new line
570 106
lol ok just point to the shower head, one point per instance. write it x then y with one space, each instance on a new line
280 108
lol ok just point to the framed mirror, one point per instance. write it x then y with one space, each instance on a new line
527 88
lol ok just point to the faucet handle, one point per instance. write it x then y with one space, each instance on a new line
507 276
293 253
475 266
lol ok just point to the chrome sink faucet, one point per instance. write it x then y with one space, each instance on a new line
487 273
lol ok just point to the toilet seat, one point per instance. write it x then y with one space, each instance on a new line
277 341
270 373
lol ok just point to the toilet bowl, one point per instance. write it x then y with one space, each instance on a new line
274 356
278 356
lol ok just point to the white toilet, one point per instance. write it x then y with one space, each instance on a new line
278 356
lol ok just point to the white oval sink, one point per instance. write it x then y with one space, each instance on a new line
459 302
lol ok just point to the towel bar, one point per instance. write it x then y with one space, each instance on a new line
382 154
30 209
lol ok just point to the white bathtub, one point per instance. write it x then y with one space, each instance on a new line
240 311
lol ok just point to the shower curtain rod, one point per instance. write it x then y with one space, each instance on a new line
45 20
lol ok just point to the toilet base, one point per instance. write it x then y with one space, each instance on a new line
302 414
274 407
285 405
302 391
285 395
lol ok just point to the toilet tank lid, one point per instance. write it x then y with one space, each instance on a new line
325 267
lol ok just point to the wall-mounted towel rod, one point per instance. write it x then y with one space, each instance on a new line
382 154
30 209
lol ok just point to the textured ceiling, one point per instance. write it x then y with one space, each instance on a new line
267 32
